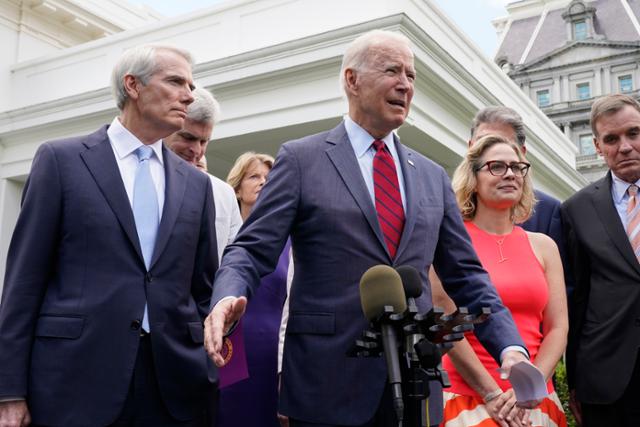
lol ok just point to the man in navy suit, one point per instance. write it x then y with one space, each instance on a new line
323 192
507 123
110 266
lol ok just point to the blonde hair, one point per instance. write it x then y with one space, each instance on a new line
243 162
465 181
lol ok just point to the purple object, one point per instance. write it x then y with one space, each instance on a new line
254 401
236 359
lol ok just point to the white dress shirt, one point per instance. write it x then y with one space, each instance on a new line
124 145
228 219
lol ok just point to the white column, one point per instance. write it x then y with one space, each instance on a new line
606 81
10 193
566 97
567 130
556 95
597 79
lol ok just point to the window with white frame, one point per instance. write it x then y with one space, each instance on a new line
625 83
543 98
579 30
586 146
583 91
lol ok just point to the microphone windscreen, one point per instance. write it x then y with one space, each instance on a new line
410 281
379 286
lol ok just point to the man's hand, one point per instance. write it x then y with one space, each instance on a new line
509 359
225 313
14 414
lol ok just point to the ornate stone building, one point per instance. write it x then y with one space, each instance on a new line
564 54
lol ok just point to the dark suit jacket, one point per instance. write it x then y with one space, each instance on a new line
604 332
546 219
76 282
316 194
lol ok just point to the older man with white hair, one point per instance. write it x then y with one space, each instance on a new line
191 143
352 198
110 267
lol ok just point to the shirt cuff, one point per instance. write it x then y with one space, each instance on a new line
514 348
11 399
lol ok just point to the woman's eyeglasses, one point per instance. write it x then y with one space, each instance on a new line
499 168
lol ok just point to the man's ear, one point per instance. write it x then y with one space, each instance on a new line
351 80
597 145
470 143
523 148
131 86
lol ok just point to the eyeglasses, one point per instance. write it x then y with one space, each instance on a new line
499 168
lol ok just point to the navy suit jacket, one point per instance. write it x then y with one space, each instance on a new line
546 219
604 321
76 282
317 195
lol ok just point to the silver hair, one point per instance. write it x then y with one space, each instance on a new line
139 61
204 108
358 52
500 114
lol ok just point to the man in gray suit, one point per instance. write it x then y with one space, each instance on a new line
352 198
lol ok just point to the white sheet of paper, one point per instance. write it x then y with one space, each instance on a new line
528 382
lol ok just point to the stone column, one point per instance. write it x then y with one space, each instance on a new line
10 193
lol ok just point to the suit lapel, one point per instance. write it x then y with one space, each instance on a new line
344 159
611 220
409 174
101 162
175 187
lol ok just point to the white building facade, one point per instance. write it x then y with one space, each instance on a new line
273 65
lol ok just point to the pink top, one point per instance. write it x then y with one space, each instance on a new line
521 283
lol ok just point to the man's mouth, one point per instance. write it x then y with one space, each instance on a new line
397 103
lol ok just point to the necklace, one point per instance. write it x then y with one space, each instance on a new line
500 242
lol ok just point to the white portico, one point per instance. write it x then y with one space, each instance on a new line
273 65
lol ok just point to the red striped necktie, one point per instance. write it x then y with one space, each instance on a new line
388 199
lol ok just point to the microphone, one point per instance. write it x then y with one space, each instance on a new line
413 289
381 287
411 283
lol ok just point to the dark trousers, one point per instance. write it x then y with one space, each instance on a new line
144 406
384 416
624 412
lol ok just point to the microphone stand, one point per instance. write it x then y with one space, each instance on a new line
425 336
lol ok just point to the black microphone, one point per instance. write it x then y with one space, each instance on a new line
413 289
411 283
380 287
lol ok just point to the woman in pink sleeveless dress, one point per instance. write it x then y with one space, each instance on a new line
494 192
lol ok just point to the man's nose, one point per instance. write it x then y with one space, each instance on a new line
187 96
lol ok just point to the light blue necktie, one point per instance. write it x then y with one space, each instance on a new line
145 212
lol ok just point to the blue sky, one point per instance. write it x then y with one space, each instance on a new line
472 16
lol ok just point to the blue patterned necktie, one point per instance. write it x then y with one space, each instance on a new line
145 211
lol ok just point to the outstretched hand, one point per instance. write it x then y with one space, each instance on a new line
224 314
14 414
